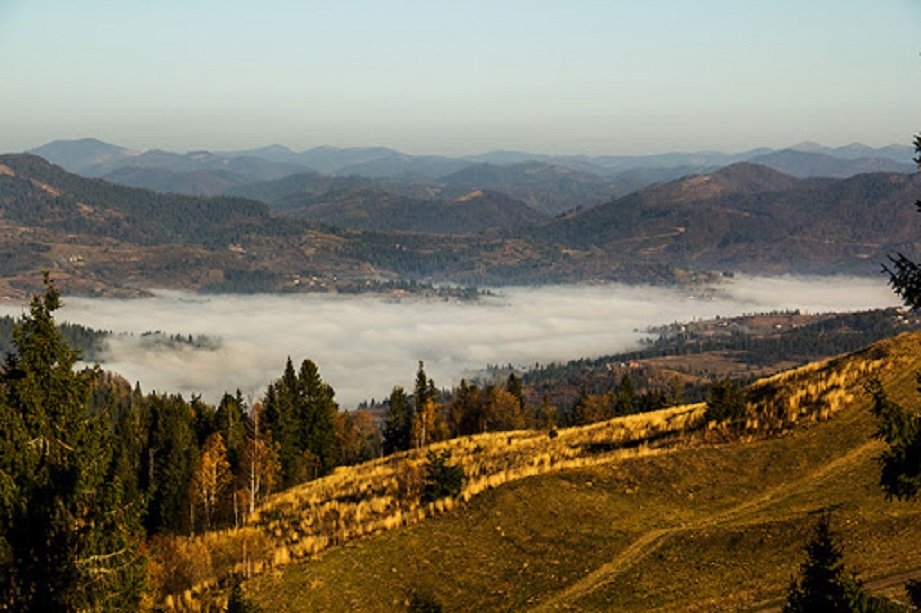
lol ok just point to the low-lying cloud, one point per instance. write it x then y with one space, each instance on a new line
366 344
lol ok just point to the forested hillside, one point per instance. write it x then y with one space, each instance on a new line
98 237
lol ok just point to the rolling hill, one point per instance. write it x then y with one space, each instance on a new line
657 511
372 209
751 218
102 237
98 237
548 188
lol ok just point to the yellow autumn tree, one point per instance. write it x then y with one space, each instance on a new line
505 411
211 477
424 426
260 458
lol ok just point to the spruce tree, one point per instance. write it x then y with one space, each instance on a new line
397 422
900 463
317 412
281 419
626 396
168 463
822 585
69 537
901 429
905 274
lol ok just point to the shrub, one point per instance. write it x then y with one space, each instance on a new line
442 480
913 589
725 401
237 603
421 602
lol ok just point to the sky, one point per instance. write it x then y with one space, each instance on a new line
580 76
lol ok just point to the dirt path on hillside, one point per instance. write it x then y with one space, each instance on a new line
652 540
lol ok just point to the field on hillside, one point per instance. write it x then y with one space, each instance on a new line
719 527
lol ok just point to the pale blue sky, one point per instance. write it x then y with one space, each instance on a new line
460 77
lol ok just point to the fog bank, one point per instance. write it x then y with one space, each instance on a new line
364 345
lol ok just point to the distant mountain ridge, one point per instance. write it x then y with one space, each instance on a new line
549 184
103 237
755 219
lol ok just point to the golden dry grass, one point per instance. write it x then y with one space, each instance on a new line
382 495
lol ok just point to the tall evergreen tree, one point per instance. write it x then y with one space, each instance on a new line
900 463
421 390
905 274
68 536
282 420
625 403
317 412
230 422
397 422
901 429
300 411
822 581
168 464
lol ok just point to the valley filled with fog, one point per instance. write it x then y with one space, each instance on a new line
364 345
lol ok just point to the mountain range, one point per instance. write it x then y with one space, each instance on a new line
100 237
551 185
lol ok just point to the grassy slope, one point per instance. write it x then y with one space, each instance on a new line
718 527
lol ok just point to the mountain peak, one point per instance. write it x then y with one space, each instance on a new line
741 177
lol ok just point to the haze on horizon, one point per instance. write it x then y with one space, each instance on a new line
590 76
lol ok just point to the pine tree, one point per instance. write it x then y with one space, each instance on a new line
513 386
900 463
625 403
168 463
230 422
317 412
68 535
282 420
421 389
300 411
725 400
904 274
823 585
900 429
397 422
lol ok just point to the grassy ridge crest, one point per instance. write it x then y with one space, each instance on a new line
383 495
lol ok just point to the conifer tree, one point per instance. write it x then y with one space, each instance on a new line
899 428
725 400
398 422
513 386
168 462
282 419
230 422
421 389
317 412
626 396
300 411
821 586
68 536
